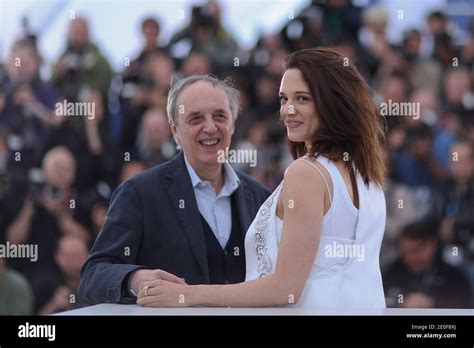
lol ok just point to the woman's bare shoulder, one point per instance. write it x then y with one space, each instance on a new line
301 174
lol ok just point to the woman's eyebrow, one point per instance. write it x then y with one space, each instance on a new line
296 92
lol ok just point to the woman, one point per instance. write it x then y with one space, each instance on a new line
315 242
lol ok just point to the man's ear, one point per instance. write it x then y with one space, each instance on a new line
232 129
173 127
175 135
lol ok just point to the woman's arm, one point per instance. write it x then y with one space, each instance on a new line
303 197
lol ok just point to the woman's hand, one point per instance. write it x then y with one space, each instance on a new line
161 293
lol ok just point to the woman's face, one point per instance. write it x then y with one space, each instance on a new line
297 107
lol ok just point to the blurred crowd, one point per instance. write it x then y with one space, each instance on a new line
57 172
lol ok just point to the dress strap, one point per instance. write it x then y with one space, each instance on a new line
324 178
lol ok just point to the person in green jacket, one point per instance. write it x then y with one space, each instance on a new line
16 296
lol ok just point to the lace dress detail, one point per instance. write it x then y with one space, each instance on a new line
261 223
333 281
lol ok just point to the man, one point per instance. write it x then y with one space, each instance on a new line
56 290
51 209
27 110
420 278
154 142
187 216
82 64
16 296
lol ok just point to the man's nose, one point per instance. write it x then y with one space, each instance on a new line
210 126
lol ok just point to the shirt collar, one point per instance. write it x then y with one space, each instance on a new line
231 180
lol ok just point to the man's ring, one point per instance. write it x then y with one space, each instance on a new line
146 290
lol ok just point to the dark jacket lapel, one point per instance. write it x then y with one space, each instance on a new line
182 197
245 204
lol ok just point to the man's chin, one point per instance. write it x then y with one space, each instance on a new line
209 160
212 157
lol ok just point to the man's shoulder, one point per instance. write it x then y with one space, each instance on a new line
152 175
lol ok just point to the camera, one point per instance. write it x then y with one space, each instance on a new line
202 17
38 187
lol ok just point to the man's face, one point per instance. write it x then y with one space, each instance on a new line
71 256
417 255
28 67
151 32
60 170
156 129
78 34
204 123
463 168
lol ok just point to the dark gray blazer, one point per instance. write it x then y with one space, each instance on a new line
153 222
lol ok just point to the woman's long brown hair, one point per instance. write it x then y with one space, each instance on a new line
350 128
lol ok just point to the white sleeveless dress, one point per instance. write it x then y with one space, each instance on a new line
346 271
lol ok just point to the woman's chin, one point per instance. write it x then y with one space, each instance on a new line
295 138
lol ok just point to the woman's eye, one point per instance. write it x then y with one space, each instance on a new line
282 100
303 98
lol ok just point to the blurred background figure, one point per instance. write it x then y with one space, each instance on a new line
420 278
16 296
205 33
82 64
154 143
51 209
50 163
150 30
57 292
27 109
150 92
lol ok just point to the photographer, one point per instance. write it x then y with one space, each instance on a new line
154 142
150 91
27 104
457 226
150 30
57 290
459 95
51 209
205 33
82 64
420 278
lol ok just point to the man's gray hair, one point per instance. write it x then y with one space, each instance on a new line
177 87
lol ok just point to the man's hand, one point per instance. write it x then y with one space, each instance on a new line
143 277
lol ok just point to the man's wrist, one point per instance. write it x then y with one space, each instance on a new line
130 290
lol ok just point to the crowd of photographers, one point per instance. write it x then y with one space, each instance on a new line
57 171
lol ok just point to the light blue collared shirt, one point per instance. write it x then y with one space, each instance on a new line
216 210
